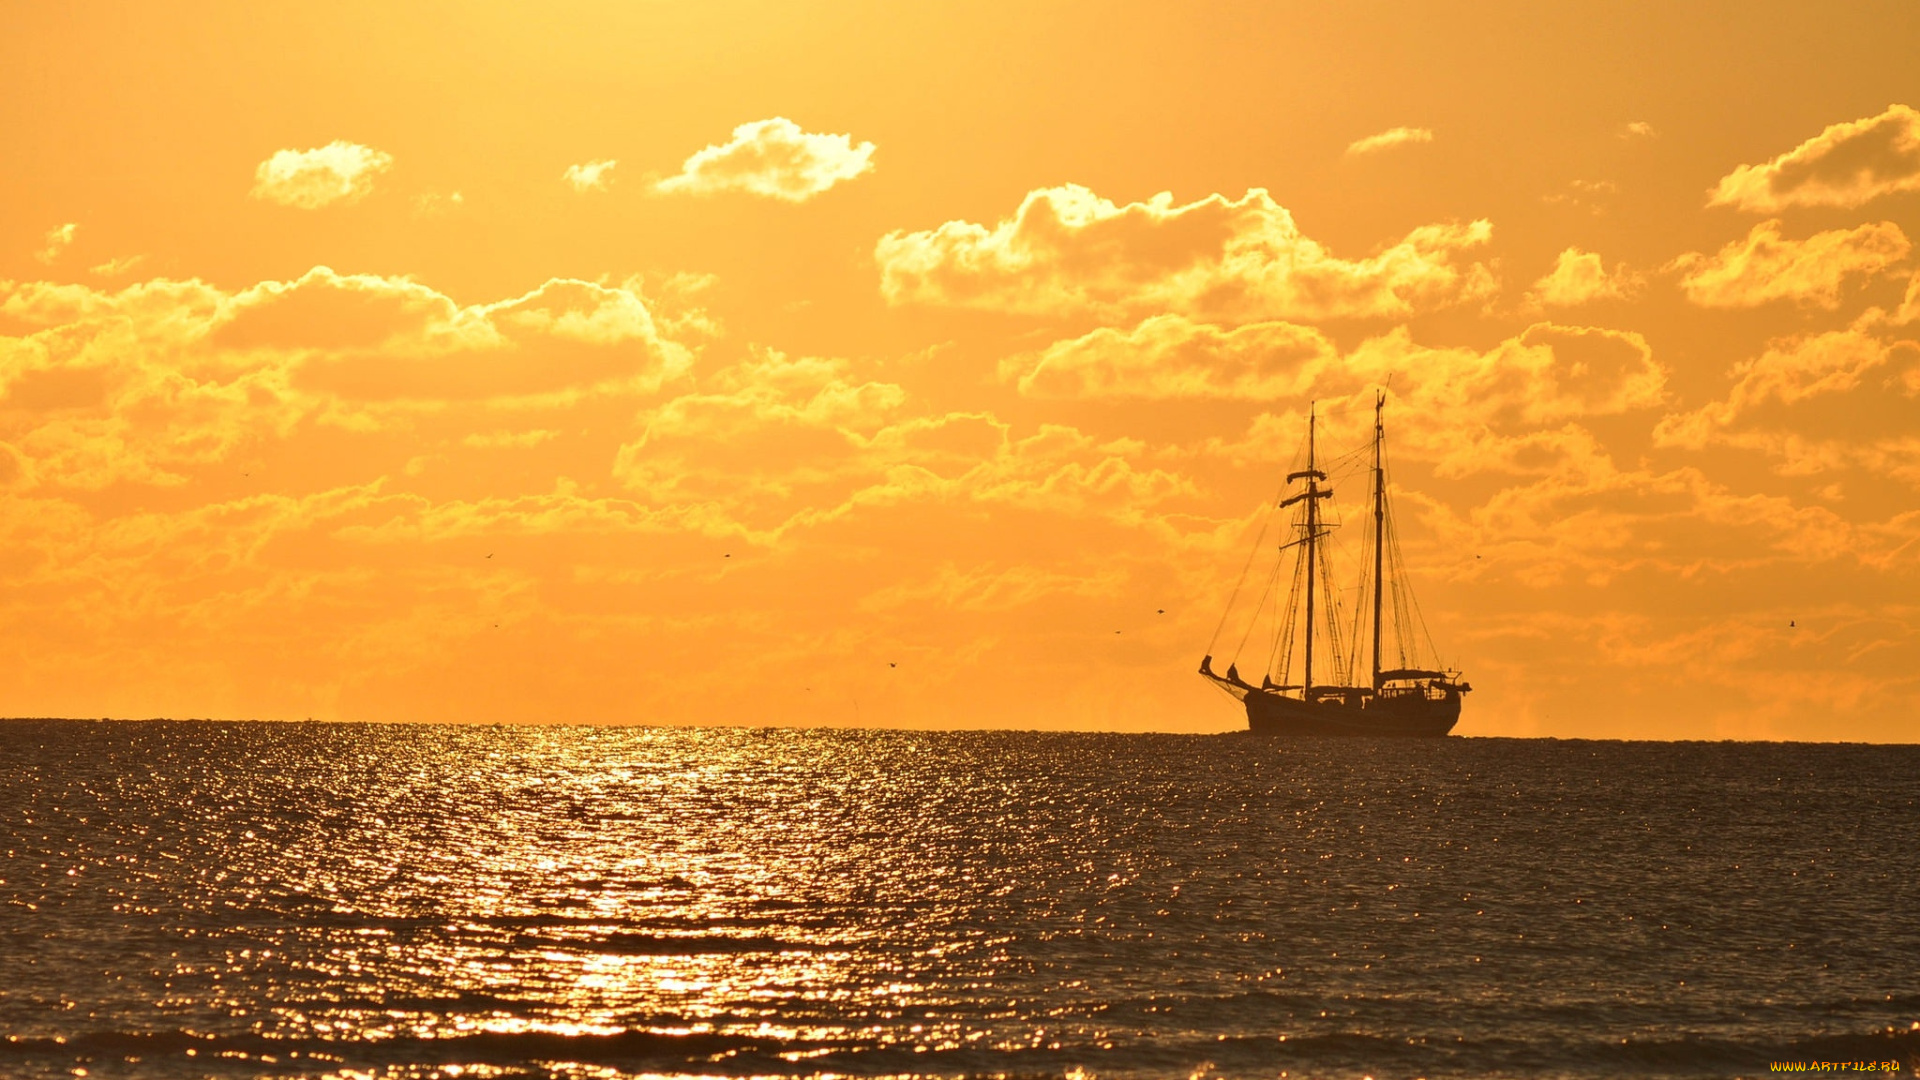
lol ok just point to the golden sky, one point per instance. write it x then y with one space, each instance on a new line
874 363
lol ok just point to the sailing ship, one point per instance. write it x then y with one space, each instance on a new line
1406 698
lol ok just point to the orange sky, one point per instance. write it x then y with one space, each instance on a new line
701 362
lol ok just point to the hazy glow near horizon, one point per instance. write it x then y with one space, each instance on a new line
929 365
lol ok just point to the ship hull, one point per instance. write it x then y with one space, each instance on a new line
1413 716
1403 715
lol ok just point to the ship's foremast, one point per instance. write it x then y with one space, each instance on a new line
1312 496
1379 527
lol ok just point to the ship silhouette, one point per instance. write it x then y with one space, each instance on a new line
1406 698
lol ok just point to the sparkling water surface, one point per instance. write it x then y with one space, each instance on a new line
279 900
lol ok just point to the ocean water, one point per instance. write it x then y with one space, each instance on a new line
312 900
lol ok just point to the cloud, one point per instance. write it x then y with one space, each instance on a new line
1847 165
1787 372
1638 129
58 239
1593 196
776 446
1580 277
1168 357
156 382
1516 408
1765 266
337 173
1447 398
1548 374
775 159
593 176
1387 140
434 204
1069 251
766 435
1815 403
118 266
365 338
1910 307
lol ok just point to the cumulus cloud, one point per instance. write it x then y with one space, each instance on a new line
1067 250
592 176
1580 277
774 159
1169 357
337 173
1910 307
1765 266
1793 370
1517 407
155 382
1546 375
366 338
1846 166
1637 129
58 239
1386 140
778 445
1766 405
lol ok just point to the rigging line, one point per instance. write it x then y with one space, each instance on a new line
1419 617
1283 628
1257 609
1251 555
1395 571
1361 604
1405 606
1333 617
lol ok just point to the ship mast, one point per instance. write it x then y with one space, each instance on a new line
1313 526
1312 495
1379 527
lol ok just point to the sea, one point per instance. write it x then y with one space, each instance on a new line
200 899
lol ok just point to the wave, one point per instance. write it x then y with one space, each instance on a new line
636 944
720 1053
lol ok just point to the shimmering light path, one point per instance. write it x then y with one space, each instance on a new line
197 899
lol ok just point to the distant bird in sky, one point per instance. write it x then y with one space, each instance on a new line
489 554
1789 622
892 664
1162 611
